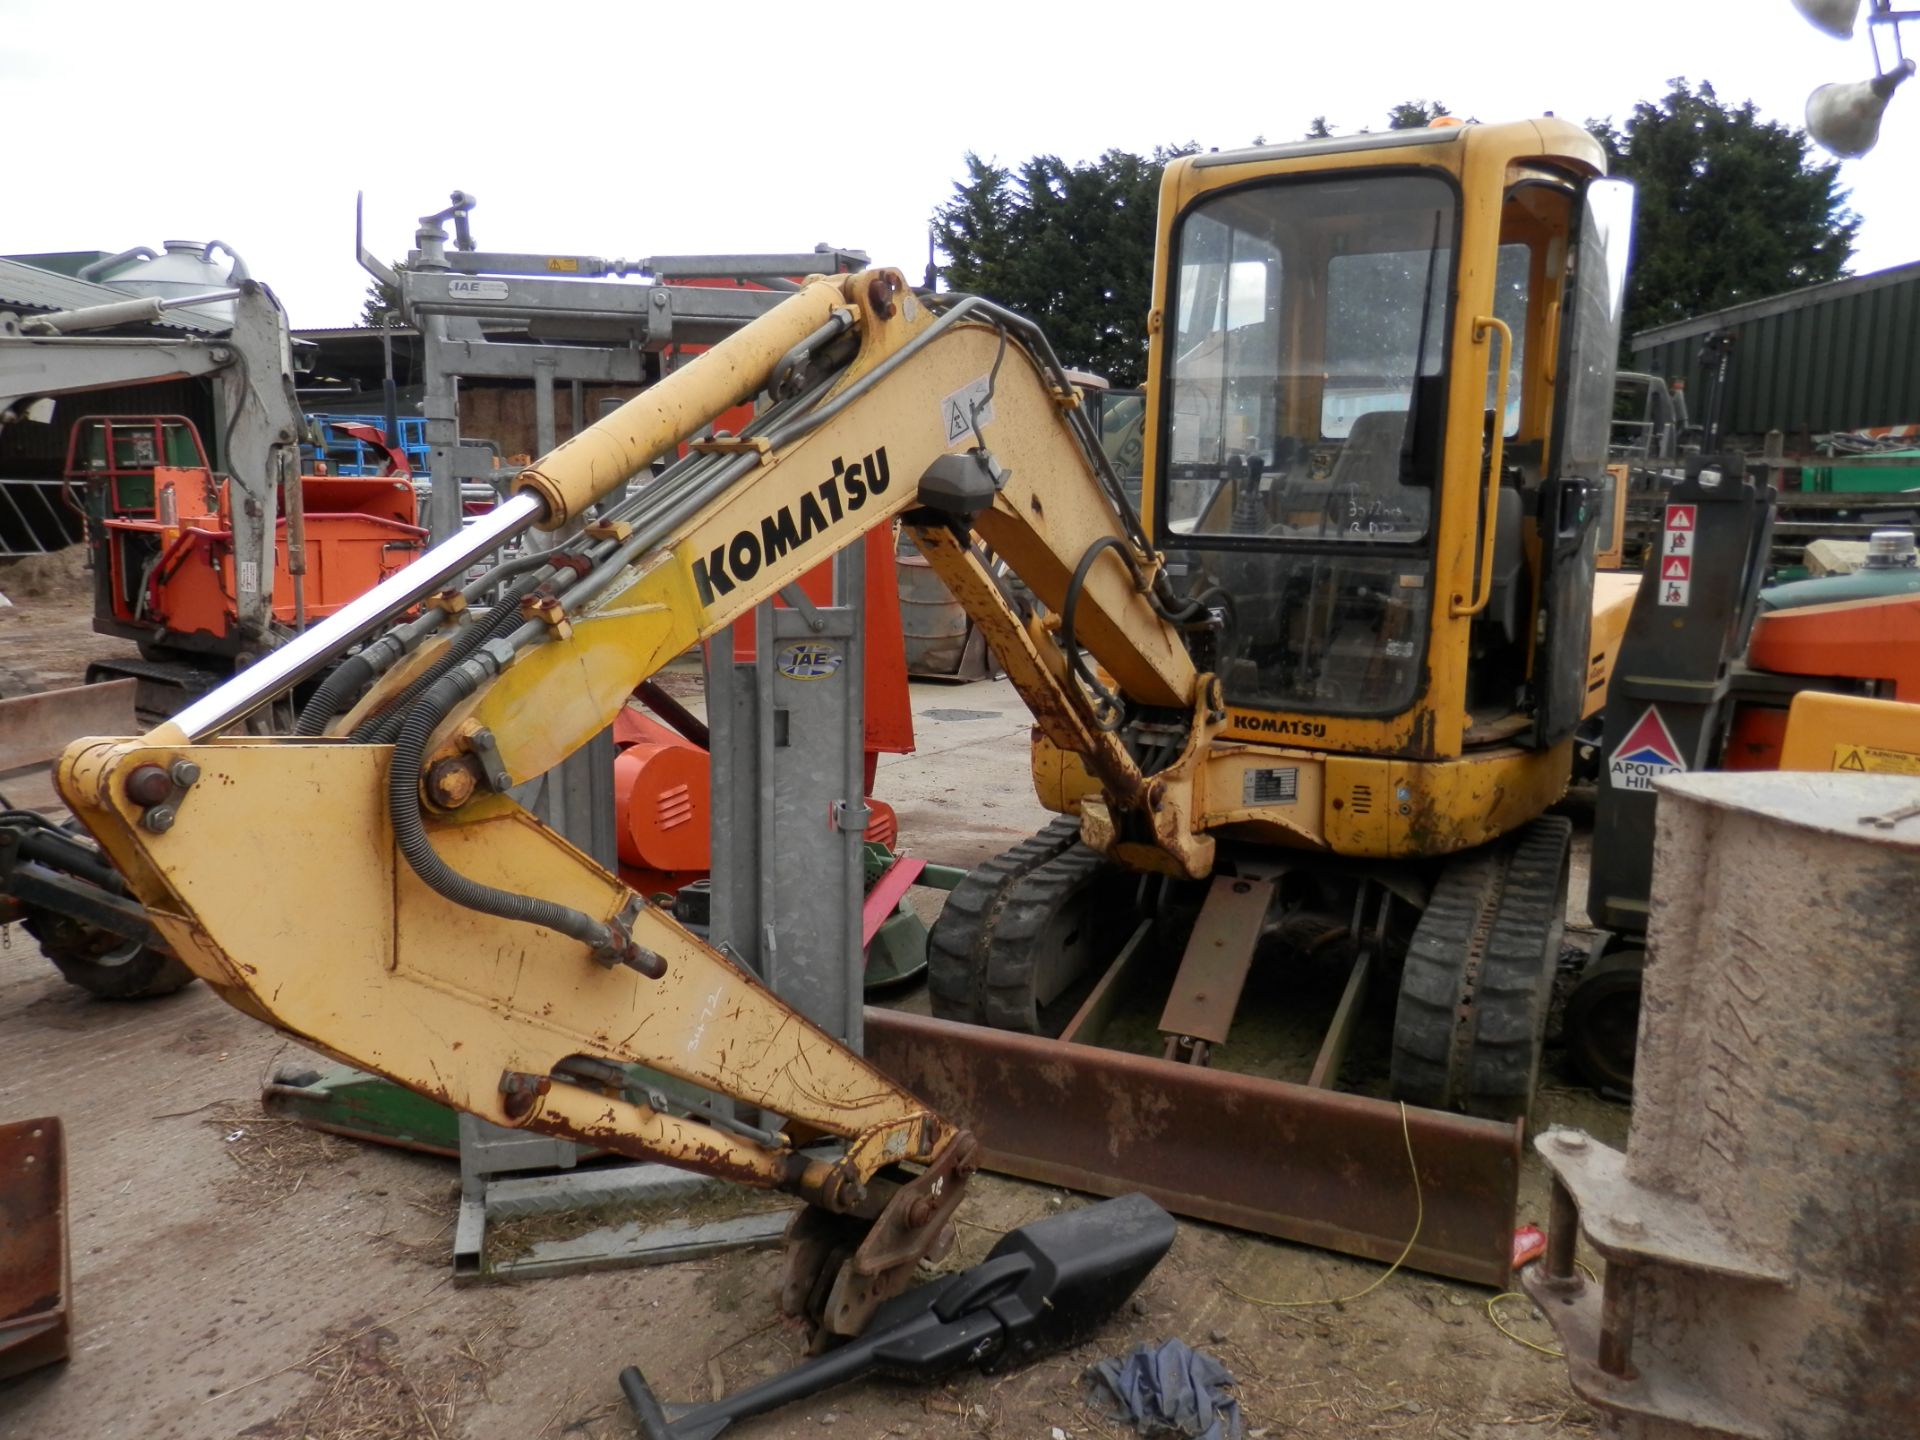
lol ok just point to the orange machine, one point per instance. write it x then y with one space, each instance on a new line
662 798
1857 641
162 543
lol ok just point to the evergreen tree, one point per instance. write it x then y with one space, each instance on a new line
1069 245
1415 114
1731 207
381 297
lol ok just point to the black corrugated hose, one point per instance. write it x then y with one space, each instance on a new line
410 831
349 677
380 727
356 672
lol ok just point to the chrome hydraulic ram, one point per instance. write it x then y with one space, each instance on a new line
547 495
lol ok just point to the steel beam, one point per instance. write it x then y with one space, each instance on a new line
1213 969
503 360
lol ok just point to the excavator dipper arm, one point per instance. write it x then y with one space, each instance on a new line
369 887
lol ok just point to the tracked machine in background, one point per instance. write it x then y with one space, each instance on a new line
169 567
204 565
1328 685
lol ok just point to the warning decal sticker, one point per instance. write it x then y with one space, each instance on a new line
1278 786
966 407
1646 755
1872 760
1676 555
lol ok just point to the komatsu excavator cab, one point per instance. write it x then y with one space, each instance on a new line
1381 440
1380 383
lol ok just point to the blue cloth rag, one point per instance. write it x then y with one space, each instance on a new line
1168 1389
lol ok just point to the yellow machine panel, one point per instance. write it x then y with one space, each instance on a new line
1850 732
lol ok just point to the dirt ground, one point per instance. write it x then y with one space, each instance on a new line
235 1276
46 632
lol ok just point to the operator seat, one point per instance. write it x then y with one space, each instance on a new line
1370 466
1370 459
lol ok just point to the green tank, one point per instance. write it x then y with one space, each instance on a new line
1891 569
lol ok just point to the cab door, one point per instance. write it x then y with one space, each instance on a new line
1576 481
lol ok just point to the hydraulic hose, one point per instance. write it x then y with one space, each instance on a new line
349 677
381 728
41 840
1107 712
355 673
609 945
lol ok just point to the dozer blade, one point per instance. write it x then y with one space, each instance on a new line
1316 1166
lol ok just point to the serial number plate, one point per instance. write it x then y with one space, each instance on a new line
1277 786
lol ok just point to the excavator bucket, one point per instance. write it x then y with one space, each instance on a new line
1044 1287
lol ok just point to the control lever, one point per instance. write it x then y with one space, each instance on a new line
1043 1287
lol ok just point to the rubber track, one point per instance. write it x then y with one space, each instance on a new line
1030 903
957 946
1478 977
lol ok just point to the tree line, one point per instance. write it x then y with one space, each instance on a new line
1732 207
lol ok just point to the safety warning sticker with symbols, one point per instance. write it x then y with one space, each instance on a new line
966 408
1646 755
1676 579
1676 555
1872 760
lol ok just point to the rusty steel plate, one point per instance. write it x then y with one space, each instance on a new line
34 1274
34 729
1213 971
1315 1166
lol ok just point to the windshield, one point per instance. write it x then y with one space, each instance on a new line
1306 390
1307 315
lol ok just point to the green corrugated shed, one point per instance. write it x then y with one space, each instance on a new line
1839 356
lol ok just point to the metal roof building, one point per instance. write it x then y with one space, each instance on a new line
25 287
1840 356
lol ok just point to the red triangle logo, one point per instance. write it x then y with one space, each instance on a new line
1679 517
1678 567
1649 742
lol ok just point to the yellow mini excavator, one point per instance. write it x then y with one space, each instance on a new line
1335 667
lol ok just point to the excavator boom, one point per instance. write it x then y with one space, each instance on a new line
456 945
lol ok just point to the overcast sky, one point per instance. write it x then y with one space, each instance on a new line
637 129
